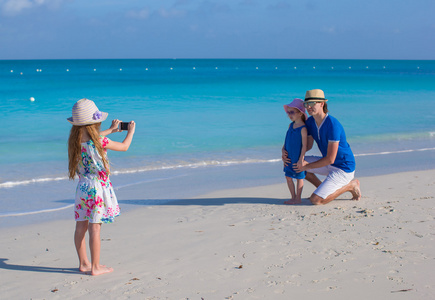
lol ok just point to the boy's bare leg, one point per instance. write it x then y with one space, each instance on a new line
95 246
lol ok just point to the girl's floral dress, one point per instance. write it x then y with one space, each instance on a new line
95 199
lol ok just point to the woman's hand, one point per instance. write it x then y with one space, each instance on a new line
285 158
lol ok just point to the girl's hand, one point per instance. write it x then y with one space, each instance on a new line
131 127
115 126
285 158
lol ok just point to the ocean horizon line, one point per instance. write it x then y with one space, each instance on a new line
186 58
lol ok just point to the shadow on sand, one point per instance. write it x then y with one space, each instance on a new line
206 201
6 266
213 201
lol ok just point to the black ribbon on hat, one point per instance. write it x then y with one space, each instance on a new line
314 98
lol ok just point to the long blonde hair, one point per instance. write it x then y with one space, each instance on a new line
74 147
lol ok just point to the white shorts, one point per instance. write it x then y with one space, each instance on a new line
335 178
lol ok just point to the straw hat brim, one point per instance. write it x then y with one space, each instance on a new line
103 117
315 100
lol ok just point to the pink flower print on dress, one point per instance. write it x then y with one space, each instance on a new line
102 176
104 142
99 201
110 211
89 203
76 215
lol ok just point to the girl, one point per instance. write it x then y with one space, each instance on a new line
95 200
295 145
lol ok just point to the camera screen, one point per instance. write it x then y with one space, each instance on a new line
124 126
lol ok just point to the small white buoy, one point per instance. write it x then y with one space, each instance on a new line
120 69
146 69
332 68
32 99
384 67
276 68
172 68
95 70
256 68
67 70
194 68
295 68
367 67
216 68
418 67
12 71
21 73
350 68
314 68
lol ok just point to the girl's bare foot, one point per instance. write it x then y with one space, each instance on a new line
356 192
291 201
101 270
85 268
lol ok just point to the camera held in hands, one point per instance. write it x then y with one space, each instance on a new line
123 125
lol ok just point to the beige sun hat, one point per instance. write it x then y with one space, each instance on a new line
85 112
315 96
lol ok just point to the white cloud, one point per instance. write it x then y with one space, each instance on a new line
14 7
280 6
146 13
139 14
169 13
248 3
329 29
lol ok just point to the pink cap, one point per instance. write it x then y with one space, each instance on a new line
298 104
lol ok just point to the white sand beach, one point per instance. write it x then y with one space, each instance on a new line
242 244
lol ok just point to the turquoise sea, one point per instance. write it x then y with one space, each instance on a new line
201 124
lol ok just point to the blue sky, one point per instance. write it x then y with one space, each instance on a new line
318 29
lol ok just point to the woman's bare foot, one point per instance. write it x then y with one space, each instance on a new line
291 201
101 270
356 192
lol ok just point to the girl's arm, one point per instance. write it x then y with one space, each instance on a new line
284 155
117 146
304 135
112 129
